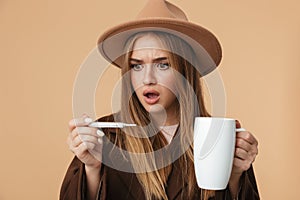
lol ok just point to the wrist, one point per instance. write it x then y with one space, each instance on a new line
93 180
234 184
235 177
92 168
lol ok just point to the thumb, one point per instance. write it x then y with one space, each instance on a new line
237 124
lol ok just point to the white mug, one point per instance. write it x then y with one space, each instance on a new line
214 146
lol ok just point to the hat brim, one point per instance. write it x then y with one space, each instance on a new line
206 46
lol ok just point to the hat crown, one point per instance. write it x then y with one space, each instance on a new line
162 16
161 9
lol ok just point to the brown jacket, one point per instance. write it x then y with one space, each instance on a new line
116 185
119 185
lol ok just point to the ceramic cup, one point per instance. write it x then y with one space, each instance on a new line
214 144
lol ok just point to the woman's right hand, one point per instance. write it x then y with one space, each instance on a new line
85 142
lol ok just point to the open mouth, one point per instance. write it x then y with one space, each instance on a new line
151 96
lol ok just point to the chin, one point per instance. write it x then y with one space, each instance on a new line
156 108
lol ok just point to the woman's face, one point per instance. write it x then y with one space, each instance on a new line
152 77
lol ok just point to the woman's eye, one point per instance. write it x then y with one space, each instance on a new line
163 66
136 67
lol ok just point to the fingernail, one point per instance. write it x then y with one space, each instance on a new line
100 133
100 140
88 120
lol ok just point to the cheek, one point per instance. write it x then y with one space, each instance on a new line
170 84
136 85
135 81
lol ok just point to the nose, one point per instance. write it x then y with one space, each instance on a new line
149 75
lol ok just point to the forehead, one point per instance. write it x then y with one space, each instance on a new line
148 45
149 54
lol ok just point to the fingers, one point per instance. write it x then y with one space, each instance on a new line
246 151
241 165
84 131
85 142
77 122
238 124
241 154
76 142
247 136
84 138
246 141
241 143
86 147
82 150
85 134
89 139
81 133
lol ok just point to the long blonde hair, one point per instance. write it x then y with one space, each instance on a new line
190 105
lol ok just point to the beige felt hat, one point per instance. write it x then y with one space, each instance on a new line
160 15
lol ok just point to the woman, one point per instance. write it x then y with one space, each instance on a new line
162 94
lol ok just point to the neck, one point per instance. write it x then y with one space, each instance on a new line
164 119
168 132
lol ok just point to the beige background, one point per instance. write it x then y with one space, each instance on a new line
43 44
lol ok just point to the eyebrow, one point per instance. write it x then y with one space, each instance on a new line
154 60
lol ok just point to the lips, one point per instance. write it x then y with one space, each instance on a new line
151 96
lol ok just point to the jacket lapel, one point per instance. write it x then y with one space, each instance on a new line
175 182
133 186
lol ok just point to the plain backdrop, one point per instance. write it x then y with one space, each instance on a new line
44 43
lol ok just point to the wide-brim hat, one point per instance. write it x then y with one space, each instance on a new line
160 15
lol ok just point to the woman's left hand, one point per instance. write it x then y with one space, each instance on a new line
245 153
